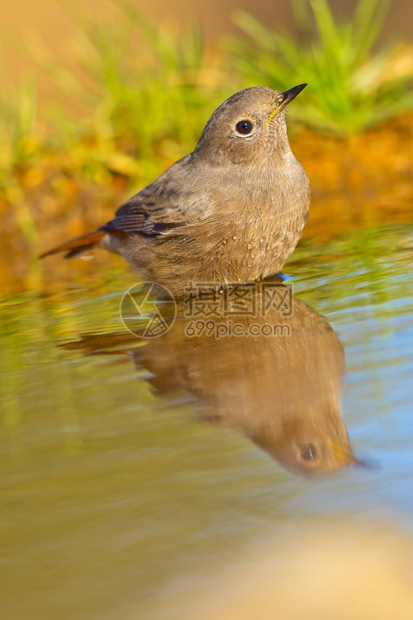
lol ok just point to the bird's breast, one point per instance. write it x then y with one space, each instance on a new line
261 233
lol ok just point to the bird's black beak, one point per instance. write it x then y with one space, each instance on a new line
287 96
366 464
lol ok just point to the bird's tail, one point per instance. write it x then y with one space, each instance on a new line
77 245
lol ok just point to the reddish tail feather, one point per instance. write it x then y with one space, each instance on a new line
77 245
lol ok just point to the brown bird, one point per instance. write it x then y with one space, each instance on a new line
283 391
231 211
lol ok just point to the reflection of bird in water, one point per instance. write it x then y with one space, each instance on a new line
282 391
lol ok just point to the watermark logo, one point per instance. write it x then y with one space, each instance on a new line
148 310
252 299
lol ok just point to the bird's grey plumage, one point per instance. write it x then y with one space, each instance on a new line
233 210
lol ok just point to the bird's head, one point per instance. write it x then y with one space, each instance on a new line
247 127
310 444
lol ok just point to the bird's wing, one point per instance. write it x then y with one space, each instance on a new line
158 210
147 214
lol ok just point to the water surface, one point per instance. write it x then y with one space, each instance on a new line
121 503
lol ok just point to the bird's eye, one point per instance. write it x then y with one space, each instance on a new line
308 451
244 127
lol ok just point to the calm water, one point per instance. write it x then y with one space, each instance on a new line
118 502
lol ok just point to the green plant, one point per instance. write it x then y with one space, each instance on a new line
20 136
141 93
351 86
19 128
